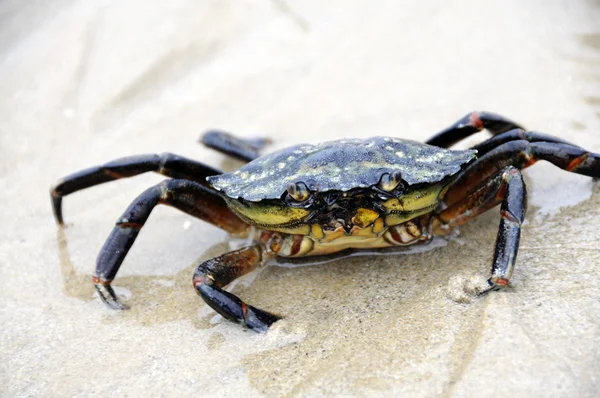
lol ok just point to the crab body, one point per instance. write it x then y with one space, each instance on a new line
351 201
316 200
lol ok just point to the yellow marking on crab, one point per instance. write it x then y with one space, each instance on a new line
413 204
316 231
328 247
364 217
415 200
331 235
362 232
271 216
378 226
302 229
356 234
305 247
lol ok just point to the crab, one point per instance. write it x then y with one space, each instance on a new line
332 198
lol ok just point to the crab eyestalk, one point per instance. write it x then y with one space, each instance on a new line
298 191
388 182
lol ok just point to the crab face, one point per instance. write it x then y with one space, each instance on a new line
356 209
350 184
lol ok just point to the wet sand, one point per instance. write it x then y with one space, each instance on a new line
83 84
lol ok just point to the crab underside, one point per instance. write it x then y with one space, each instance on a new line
316 200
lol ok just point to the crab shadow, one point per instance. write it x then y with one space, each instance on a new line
320 289
399 307
152 299
395 305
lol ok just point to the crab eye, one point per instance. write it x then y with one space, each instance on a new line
388 182
298 191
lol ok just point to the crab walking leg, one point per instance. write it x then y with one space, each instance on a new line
516 135
187 196
521 154
245 150
212 275
166 164
470 124
508 188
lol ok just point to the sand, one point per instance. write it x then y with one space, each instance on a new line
82 83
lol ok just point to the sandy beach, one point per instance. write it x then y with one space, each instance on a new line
82 83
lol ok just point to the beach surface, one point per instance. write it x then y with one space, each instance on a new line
84 82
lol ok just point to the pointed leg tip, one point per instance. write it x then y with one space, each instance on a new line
56 200
259 320
493 284
210 135
116 305
109 297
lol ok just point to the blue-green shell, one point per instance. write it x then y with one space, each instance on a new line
340 166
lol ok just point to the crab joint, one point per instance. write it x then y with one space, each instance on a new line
500 281
202 280
98 281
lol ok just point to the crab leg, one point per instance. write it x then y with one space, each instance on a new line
243 149
508 188
187 196
522 154
212 275
166 164
495 178
470 124
516 135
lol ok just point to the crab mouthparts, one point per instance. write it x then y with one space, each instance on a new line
335 217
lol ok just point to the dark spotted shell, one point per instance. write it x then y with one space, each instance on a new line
341 166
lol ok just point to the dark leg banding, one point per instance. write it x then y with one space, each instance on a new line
516 135
166 164
470 124
522 154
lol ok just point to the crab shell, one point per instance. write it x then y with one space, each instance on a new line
341 165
